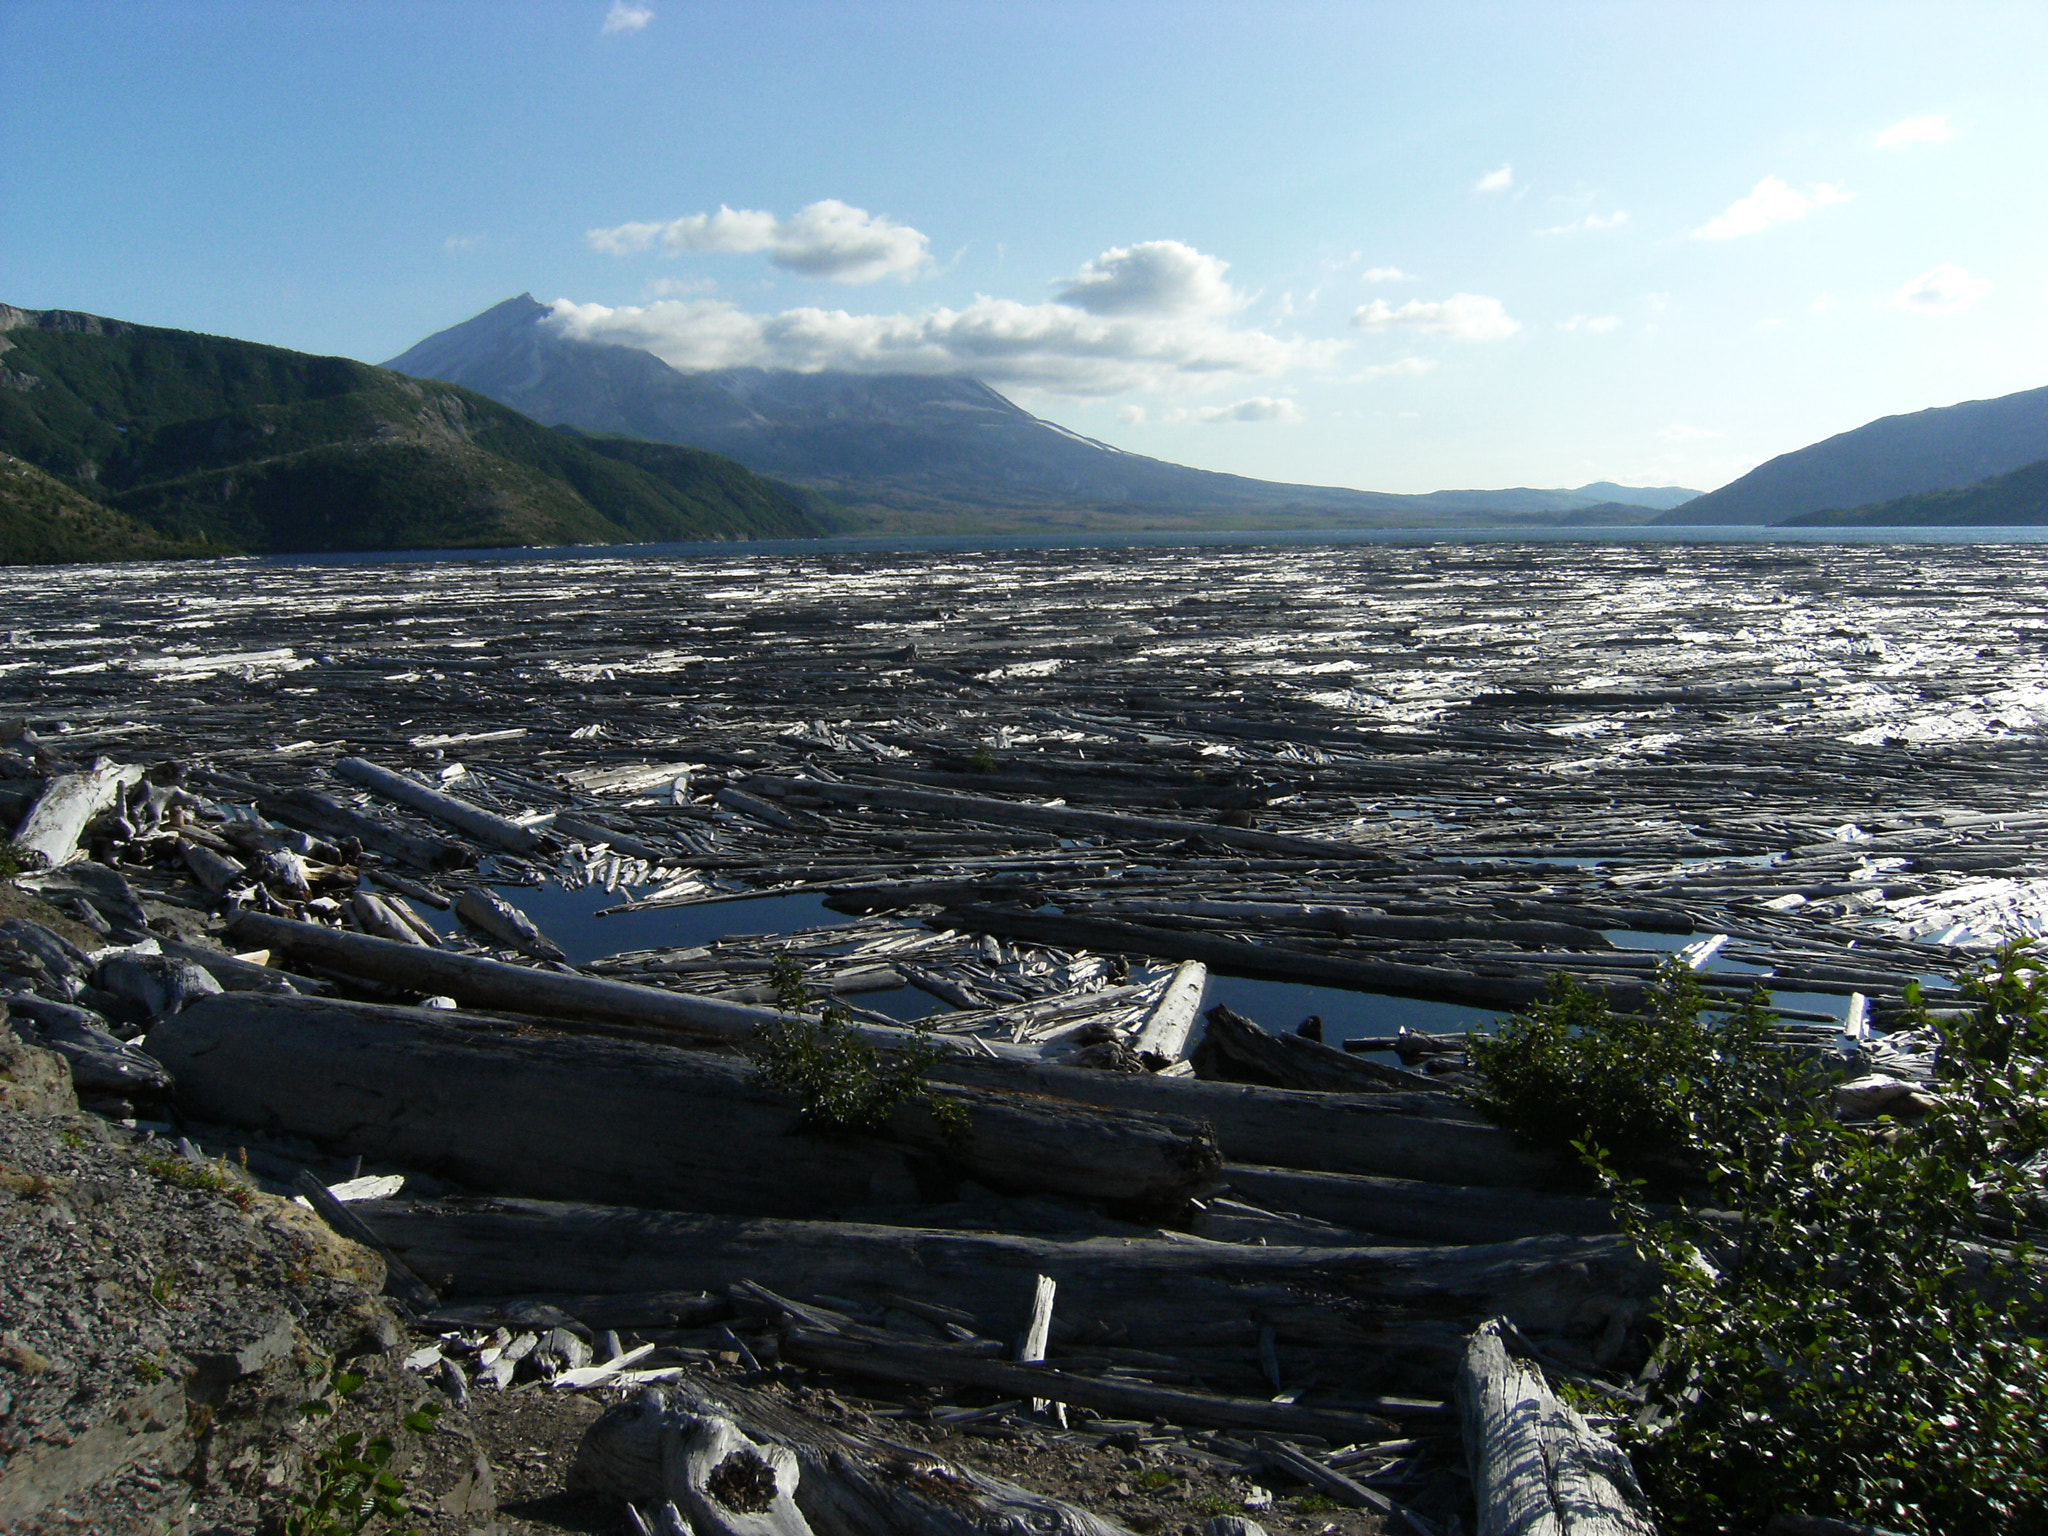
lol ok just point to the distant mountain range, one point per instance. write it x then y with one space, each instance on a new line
1849 477
912 442
128 441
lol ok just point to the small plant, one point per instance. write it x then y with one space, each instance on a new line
147 1367
163 1286
350 1484
74 1138
214 1178
848 1086
11 863
983 761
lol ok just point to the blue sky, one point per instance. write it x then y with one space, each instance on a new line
1400 247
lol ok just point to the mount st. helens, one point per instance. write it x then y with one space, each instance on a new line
922 443
130 441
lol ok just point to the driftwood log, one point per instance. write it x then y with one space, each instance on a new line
1160 1293
1394 1135
472 820
315 812
844 1483
1165 1031
484 983
49 833
627 1121
1537 1468
1418 1211
1234 1049
934 1365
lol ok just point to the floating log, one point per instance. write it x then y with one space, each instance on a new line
472 820
1537 1468
1163 1293
494 917
1235 1049
1071 820
1282 962
619 1120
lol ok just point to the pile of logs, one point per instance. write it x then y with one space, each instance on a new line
338 857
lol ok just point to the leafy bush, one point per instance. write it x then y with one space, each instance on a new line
1644 1087
1854 1331
350 1484
848 1086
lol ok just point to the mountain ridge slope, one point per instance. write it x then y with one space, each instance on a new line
902 441
211 440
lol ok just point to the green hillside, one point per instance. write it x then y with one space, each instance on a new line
213 441
45 522
2018 499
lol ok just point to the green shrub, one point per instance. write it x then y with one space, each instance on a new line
847 1085
1570 1072
1852 1330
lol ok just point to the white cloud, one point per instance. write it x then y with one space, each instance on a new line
627 18
1159 277
1131 415
1386 275
1770 201
1933 128
677 287
825 239
1943 290
1496 181
455 243
1598 324
1463 316
1258 408
1591 221
1683 434
1160 321
1405 367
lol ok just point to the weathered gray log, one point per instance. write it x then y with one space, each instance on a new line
399 1280
1284 962
1165 1030
472 820
494 917
714 1478
584 1118
1234 1049
1537 1468
369 909
1412 1210
1353 922
213 870
1066 818
1164 1293
49 833
320 813
933 1365
1421 1136
484 983
848 1484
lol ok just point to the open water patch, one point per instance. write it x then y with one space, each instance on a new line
570 918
